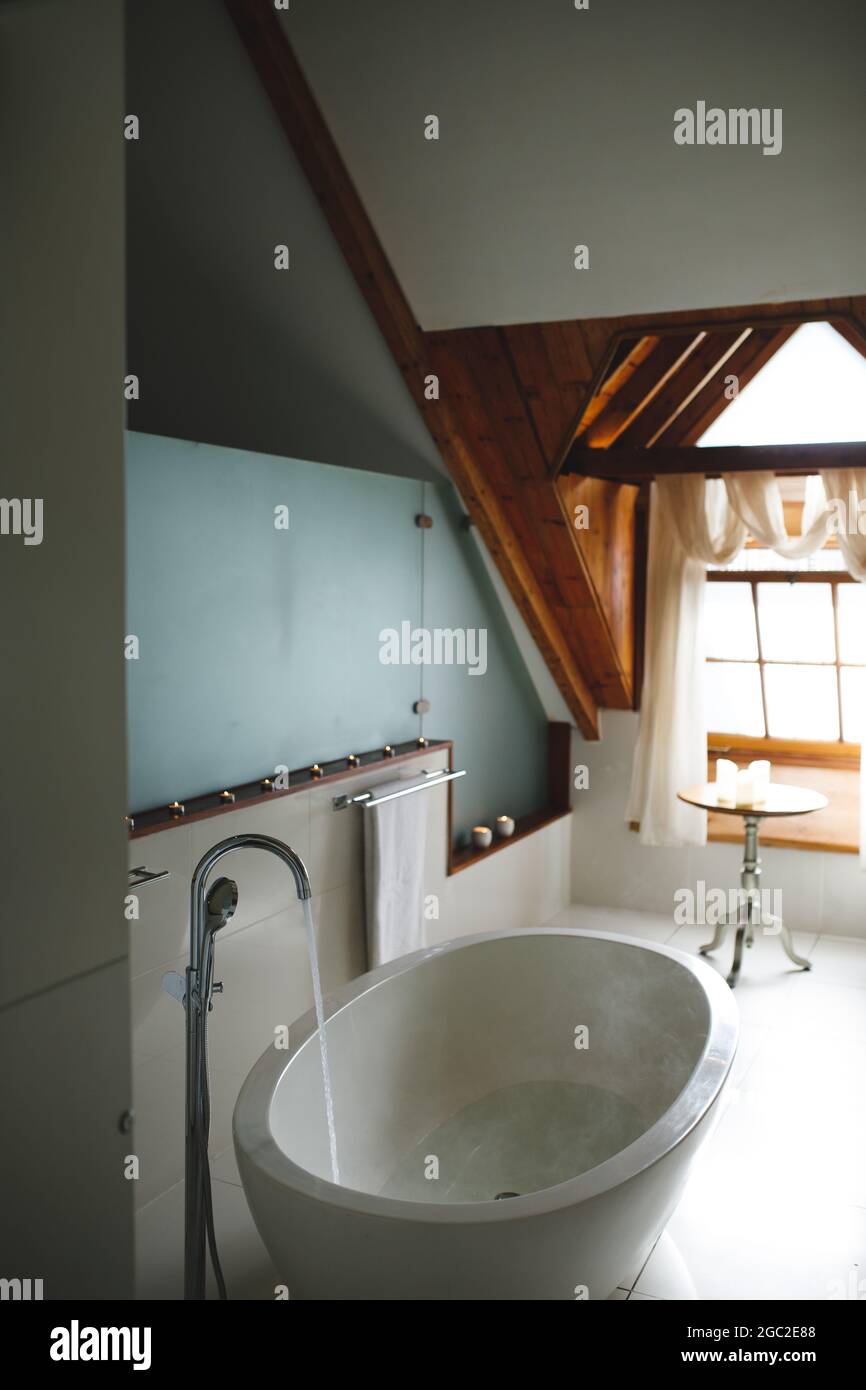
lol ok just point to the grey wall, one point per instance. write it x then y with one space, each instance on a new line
228 349
557 129
65 1215
261 647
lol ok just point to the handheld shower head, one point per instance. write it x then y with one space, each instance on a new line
221 901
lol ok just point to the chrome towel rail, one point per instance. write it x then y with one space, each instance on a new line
434 779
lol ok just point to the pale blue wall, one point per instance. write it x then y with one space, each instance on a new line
260 647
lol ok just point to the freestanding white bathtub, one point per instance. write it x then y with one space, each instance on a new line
579 1070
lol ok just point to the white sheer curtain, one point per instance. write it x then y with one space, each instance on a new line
694 522
846 494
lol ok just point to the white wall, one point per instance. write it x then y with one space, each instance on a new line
556 128
261 957
610 867
66 1210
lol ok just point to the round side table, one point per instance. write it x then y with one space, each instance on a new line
782 800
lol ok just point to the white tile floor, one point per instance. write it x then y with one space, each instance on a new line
776 1205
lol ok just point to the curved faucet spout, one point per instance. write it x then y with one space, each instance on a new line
198 905
196 997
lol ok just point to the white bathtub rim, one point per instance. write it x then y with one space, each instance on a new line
254 1138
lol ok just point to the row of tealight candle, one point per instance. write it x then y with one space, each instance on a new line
746 786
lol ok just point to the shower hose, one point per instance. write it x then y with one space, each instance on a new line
203 1126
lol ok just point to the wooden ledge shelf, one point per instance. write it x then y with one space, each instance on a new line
460 859
199 808
558 803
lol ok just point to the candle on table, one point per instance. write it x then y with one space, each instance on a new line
726 780
760 770
745 787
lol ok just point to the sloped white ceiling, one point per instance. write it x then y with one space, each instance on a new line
556 129
229 350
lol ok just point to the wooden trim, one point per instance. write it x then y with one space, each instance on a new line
745 364
687 386
559 766
205 807
558 802
732 576
759 316
640 465
835 829
649 380
851 330
809 833
790 752
772 839
599 378
612 650
464 858
768 327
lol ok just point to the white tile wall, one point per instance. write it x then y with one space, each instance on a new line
262 959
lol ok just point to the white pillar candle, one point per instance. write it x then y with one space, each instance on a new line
745 788
760 770
726 780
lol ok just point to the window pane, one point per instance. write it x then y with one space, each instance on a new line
852 622
854 703
733 697
802 701
796 622
729 621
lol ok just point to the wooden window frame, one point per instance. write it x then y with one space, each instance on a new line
836 753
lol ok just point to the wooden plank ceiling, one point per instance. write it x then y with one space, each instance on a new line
662 390
517 405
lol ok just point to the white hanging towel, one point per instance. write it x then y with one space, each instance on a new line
394 843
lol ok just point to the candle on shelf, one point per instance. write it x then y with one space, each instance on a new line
504 826
745 787
760 770
726 780
482 836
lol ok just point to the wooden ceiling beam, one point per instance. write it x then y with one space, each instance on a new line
624 363
635 394
709 403
496 422
704 365
853 333
638 465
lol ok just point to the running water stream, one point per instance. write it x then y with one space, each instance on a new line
323 1041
